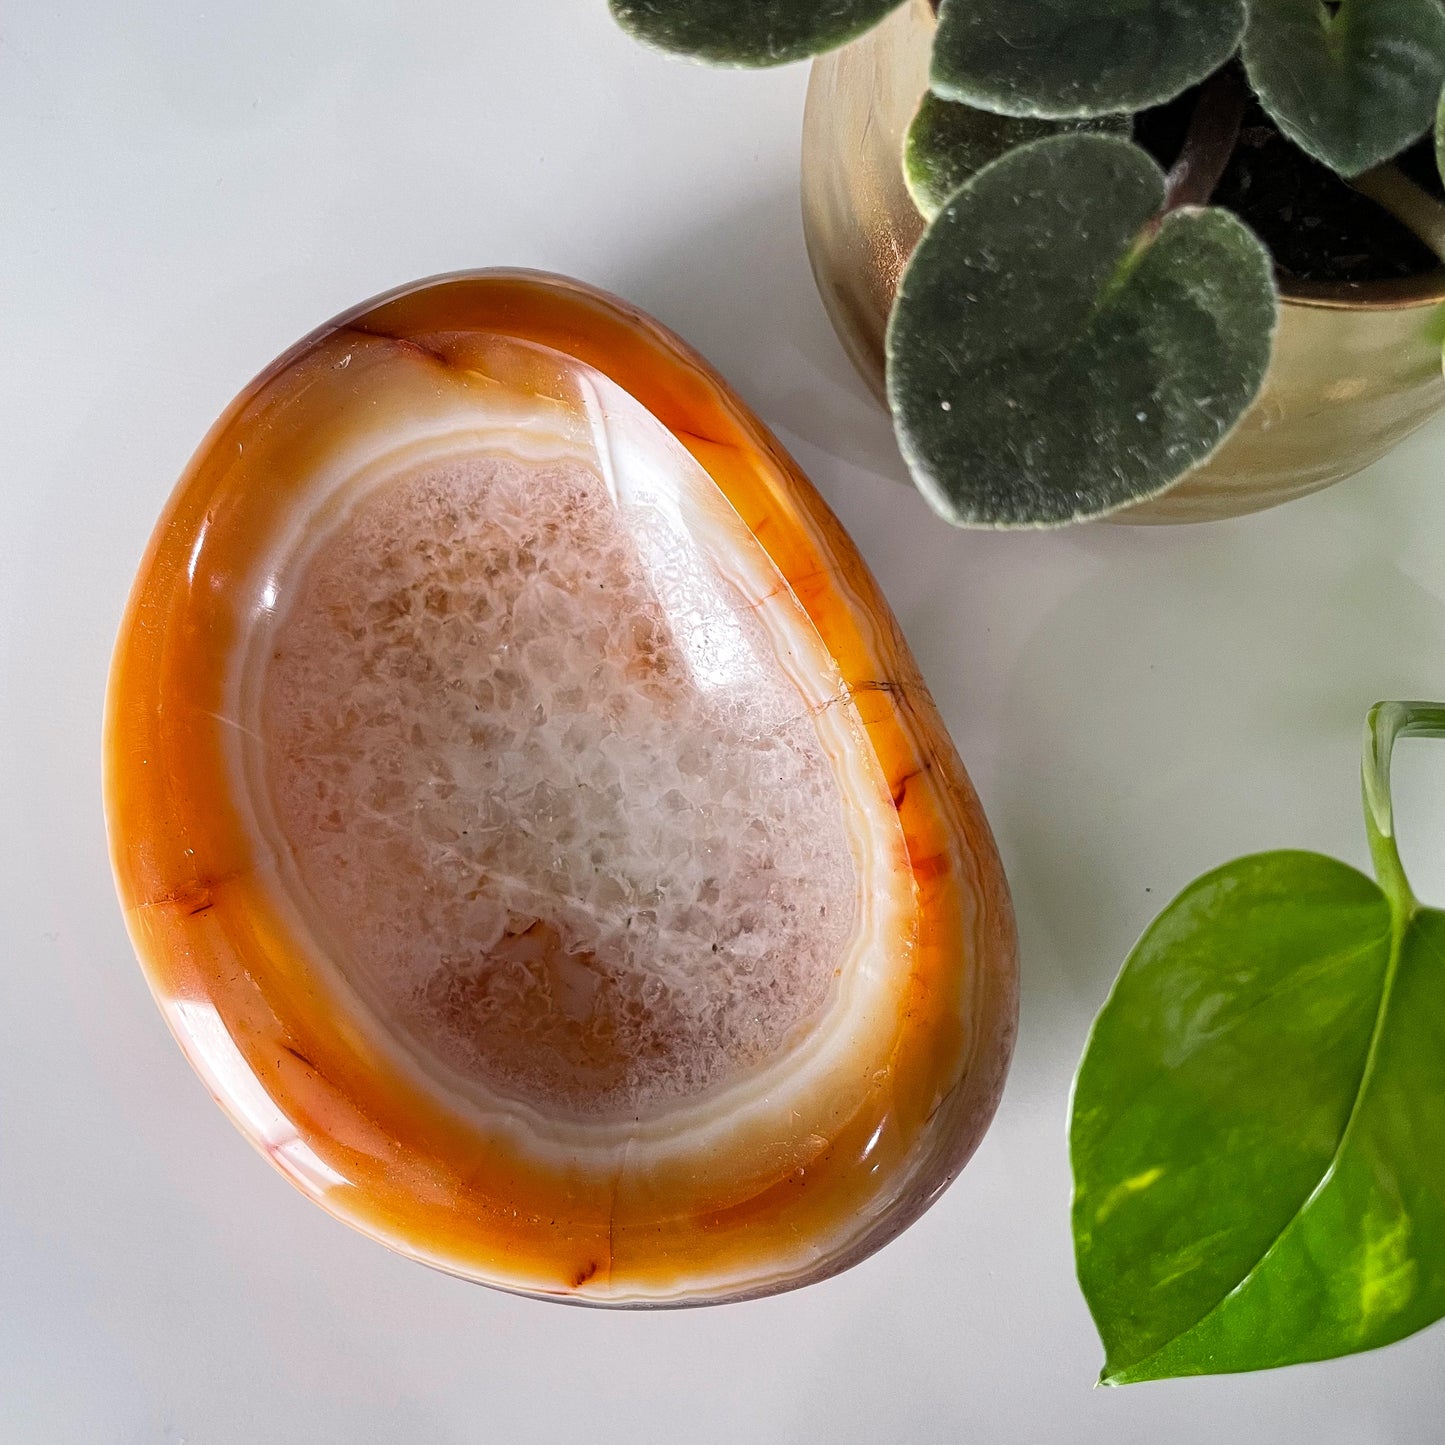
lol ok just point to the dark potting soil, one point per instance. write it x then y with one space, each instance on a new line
1317 226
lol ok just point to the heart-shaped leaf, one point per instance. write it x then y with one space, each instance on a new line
1258 1134
1058 58
948 143
1057 352
749 32
1351 83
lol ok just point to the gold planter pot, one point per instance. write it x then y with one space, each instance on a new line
1355 368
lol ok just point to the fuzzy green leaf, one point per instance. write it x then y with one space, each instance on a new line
749 32
1352 84
1055 353
1060 58
948 143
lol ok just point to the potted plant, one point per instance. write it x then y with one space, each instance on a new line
1160 261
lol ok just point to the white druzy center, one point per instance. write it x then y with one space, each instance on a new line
560 812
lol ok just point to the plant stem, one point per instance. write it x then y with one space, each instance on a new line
1408 203
1210 141
1386 722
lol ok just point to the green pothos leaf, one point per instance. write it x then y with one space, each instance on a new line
1056 351
1351 83
1258 1132
749 32
1057 58
948 143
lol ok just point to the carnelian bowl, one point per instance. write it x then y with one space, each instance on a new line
530 819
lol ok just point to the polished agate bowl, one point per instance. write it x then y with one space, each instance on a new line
531 821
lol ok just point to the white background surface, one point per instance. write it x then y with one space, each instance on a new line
187 187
